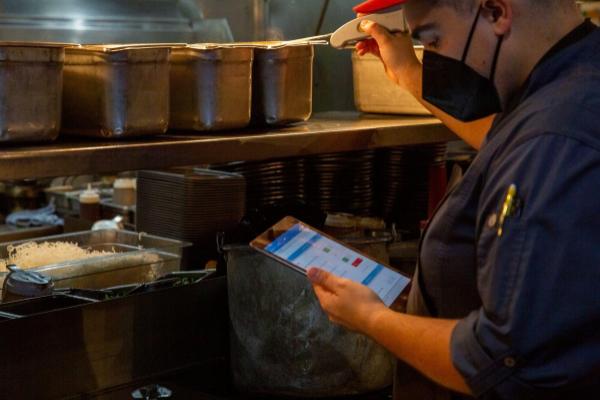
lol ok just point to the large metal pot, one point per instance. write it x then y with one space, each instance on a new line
282 343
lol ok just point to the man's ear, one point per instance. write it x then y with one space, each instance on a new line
500 14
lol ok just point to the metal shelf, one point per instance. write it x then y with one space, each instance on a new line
324 133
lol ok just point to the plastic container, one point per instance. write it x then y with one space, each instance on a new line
375 93
133 258
124 191
89 205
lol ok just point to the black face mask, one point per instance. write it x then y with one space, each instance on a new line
457 89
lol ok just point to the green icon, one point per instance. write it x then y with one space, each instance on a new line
345 259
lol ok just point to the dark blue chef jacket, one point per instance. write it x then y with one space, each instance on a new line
528 301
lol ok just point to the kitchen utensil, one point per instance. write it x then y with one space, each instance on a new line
21 284
350 33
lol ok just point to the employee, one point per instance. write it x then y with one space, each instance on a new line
505 302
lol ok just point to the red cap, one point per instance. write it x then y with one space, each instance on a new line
373 6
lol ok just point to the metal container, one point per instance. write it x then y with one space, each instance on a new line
282 84
211 87
375 93
31 78
131 258
116 91
282 343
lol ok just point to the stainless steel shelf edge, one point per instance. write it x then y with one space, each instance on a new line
324 133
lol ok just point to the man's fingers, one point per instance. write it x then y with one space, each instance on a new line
377 32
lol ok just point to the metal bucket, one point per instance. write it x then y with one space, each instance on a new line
282 343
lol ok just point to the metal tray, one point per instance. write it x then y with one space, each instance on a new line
375 93
137 258
31 78
282 84
211 87
113 91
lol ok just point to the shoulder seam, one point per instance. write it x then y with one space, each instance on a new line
584 143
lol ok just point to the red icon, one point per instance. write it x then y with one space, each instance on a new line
357 262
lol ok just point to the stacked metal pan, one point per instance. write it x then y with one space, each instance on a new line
342 182
403 180
191 205
270 182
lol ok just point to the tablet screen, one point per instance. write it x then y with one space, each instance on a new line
303 247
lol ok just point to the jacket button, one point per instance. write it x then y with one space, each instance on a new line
510 362
492 220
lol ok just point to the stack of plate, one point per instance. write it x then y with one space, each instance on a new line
342 182
403 179
270 182
191 205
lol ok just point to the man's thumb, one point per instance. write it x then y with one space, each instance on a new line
320 277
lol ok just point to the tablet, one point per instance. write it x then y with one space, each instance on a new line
301 247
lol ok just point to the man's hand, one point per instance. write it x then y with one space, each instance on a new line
402 67
347 303
395 50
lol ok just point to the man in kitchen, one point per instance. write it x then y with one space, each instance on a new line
505 303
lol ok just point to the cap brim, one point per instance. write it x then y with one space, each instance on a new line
373 6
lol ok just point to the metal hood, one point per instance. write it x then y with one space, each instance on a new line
109 21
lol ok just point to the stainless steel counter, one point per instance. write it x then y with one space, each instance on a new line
324 133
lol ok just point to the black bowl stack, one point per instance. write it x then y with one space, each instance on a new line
403 180
269 182
192 205
342 182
